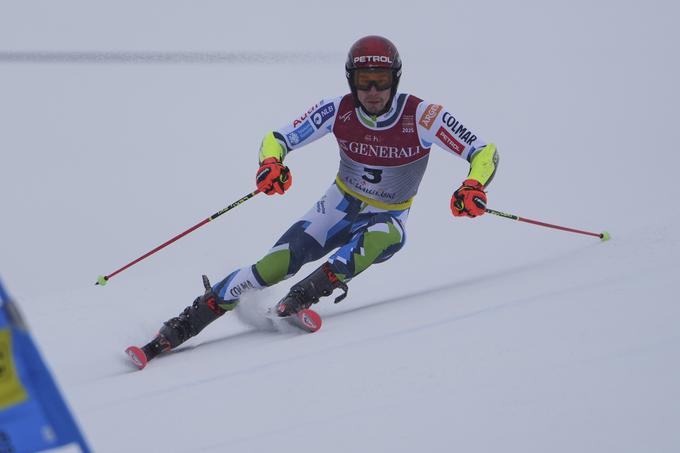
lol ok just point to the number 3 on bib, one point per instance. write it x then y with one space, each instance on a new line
374 175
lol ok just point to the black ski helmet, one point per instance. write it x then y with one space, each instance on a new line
373 52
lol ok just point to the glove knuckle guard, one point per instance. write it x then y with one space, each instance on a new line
273 177
469 200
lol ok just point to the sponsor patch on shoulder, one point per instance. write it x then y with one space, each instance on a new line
322 114
300 134
429 115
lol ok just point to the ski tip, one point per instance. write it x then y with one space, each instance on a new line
310 320
137 356
605 236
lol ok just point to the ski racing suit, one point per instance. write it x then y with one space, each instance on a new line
363 214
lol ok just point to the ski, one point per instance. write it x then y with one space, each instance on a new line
137 356
306 319
141 356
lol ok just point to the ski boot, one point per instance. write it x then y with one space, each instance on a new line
308 291
176 331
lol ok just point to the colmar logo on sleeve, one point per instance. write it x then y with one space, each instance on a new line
458 129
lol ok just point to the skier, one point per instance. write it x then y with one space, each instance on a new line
384 140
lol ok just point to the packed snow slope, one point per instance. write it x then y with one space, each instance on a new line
126 123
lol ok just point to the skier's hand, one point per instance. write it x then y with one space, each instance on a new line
273 177
469 200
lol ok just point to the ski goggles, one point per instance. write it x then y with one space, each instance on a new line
381 79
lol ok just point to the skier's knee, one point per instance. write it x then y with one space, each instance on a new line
274 267
381 241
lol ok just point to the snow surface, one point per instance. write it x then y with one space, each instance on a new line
482 335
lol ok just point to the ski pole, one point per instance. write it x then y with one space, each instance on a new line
604 235
103 279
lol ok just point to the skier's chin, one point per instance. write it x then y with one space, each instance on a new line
374 108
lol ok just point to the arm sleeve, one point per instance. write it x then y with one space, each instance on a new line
306 128
438 125
483 164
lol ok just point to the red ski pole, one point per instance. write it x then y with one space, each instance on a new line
103 279
604 235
